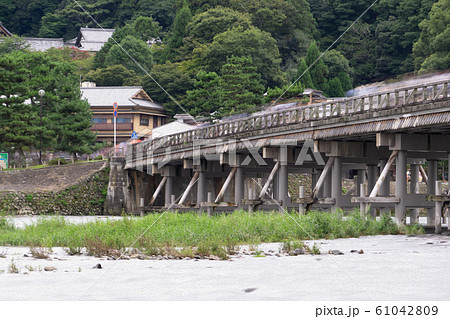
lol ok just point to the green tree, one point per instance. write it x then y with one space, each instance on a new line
18 120
116 75
318 70
335 88
432 51
175 80
204 26
338 66
179 32
70 117
303 74
207 96
10 44
240 82
140 52
252 42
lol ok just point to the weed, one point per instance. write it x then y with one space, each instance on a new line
314 250
187 252
3 254
79 269
73 250
30 268
40 252
288 246
12 269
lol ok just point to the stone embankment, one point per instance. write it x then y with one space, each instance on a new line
78 189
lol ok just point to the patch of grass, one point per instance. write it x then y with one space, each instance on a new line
218 235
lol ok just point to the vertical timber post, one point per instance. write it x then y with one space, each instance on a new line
169 172
432 178
438 210
301 206
371 180
400 187
385 190
336 182
239 187
414 189
210 202
283 185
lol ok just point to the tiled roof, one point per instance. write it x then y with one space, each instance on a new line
171 128
123 95
43 44
93 39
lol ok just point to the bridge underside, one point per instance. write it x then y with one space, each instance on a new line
257 168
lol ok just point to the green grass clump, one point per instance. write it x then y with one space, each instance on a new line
218 235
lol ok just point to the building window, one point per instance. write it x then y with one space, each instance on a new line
99 120
144 121
123 120
155 121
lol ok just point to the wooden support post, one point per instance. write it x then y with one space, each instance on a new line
250 197
238 186
384 174
336 182
362 205
283 186
432 178
210 200
322 177
424 174
188 188
172 202
400 188
169 190
269 180
414 189
301 195
158 190
142 207
225 185
438 210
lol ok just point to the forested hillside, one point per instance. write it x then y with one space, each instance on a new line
230 52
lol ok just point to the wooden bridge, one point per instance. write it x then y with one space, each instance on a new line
247 163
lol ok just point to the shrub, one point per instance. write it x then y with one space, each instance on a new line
54 162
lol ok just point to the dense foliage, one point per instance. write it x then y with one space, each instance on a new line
66 118
193 41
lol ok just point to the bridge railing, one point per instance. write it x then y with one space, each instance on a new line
337 108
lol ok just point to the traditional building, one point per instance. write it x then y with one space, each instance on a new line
137 112
43 44
91 39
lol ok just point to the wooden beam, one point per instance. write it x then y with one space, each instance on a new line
375 200
158 190
188 188
424 174
269 179
322 177
225 185
384 174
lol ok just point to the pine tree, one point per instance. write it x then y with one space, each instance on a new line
335 88
207 96
318 70
305 77
242 89
71 116
180 23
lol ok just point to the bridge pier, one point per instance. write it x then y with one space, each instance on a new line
431 187
414 189
336 182
169 173
400 188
